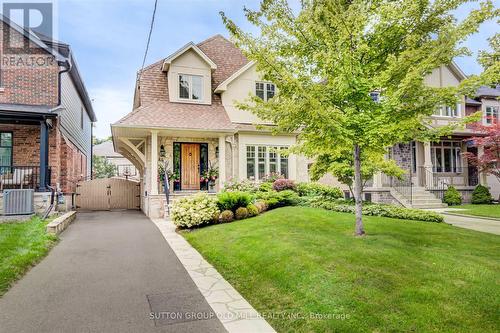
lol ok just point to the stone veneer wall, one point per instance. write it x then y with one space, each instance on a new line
401 153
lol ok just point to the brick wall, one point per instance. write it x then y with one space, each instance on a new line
66 161
28 75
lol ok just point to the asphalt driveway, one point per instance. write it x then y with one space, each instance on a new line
111 272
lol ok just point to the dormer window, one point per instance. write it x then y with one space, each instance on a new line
190 87
265 91
492 115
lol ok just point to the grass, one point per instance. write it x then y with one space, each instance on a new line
480 210
404 276
22 245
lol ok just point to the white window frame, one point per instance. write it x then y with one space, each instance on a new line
266 160
456 160
447 111
267 86
190 87
496 110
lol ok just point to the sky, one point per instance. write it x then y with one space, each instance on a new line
108 38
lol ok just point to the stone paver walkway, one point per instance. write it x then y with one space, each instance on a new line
235 313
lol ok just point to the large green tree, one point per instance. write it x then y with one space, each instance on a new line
329 56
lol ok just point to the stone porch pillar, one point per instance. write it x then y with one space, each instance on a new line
222 161
154 162
428 172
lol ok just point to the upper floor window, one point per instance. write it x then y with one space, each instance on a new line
265 91
190 87
491 115
448 111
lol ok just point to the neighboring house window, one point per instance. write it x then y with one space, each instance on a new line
5 150
265 91
190 87
263 160
491 114
375 96
448 111
446 156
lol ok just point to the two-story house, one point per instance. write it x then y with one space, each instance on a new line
184 112
45 115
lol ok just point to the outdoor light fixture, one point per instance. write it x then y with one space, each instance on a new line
162 151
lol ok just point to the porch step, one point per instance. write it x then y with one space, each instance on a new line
420 198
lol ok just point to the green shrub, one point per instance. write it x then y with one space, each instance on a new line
481 195
452 196
266 187
241 213
319 190
275 199
384 211
233 200
252 210
226 216
194 211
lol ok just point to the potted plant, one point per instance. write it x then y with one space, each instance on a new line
211 176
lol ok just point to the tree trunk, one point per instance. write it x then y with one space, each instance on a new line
358 185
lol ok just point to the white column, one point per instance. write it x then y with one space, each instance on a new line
154 162
222 161
428 165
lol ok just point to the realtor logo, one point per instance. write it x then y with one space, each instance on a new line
34 16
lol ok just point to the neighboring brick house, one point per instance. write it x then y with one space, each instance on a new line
46 115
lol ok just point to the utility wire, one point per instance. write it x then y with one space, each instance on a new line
149 40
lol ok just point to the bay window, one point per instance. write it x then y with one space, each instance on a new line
447 156
264 160
190 87
491 115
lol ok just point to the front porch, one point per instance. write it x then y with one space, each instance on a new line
186 155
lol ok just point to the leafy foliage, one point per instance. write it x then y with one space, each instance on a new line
241 213
233 200
382 210
101 168
481 195
252 210
226 216
319 190
194 211
329 58
284 184
275 199
452 197
241 186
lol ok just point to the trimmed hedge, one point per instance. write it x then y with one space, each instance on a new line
275 199
233 200
319 190
383 210
452 196
481 195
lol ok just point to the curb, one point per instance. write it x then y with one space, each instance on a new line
472 216
61 223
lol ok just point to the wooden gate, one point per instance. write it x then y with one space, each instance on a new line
107 194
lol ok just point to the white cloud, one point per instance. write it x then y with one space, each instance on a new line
110 104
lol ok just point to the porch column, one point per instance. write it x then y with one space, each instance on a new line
44 155
222 161
154 162
428 165
482 176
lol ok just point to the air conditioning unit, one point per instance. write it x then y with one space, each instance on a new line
18 202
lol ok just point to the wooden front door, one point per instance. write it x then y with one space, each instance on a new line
190 166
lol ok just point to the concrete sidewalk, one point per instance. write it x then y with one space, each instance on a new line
479 224
111 272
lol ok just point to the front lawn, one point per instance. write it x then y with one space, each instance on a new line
405 276
492 210
21 246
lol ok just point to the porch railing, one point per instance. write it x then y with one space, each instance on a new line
21 177
404 185
433 180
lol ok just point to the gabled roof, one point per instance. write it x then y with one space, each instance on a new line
223 86
457 71
189 46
